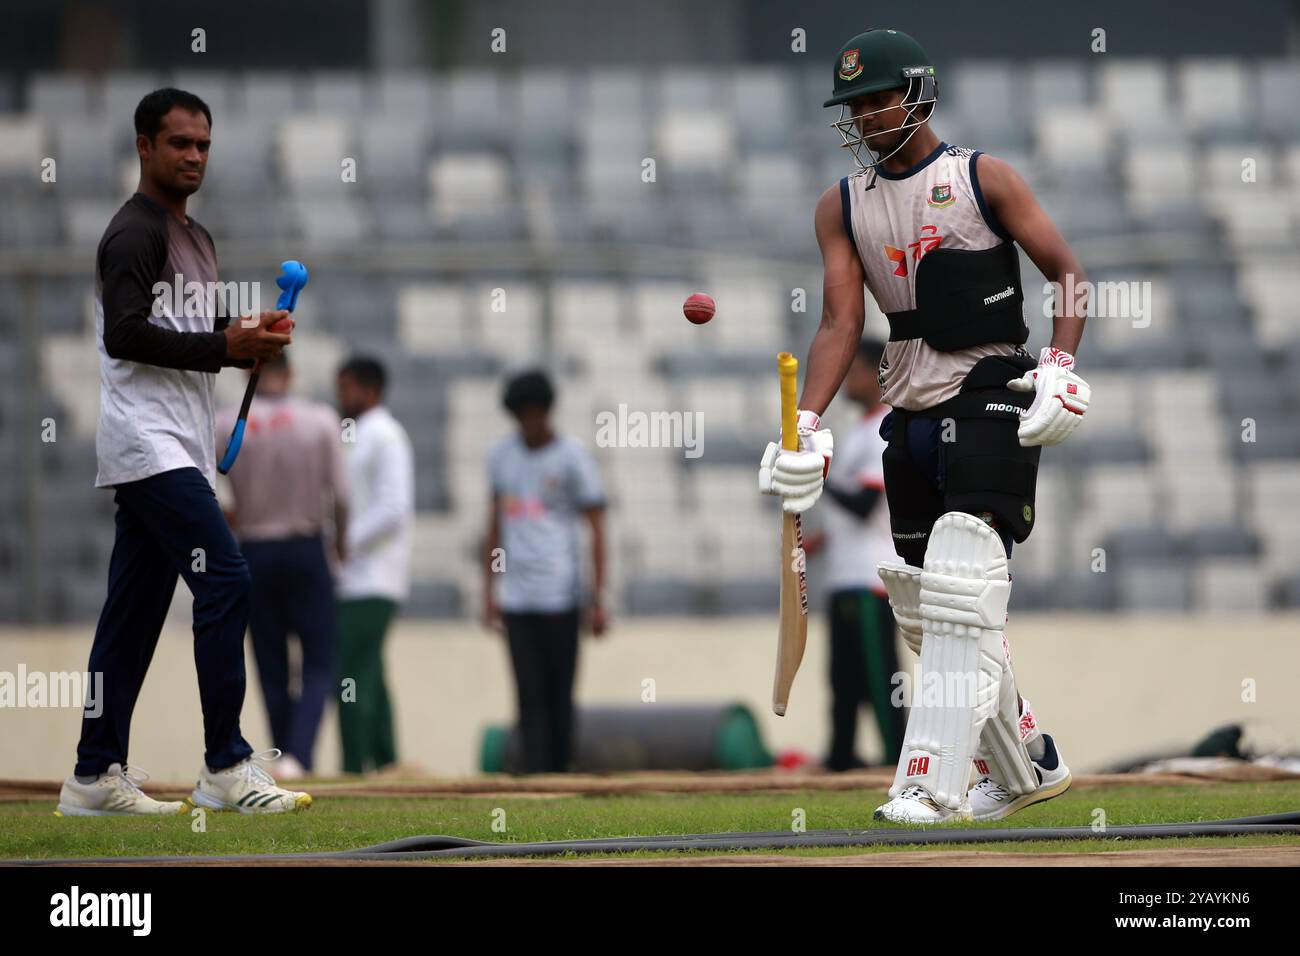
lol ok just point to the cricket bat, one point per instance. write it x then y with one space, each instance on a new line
792 633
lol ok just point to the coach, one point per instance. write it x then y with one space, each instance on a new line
155 446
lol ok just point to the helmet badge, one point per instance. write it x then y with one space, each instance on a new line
850 65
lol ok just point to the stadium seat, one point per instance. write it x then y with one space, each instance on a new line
474 114
616 92
1057 139
433 319
1155 585
271 95
694 142
51 95
1085 591
987 97
84 220
1229 586
1279 92
763 102
1133 92
338 93
1210 91
687 89
22 147
122 92
240 164
1054 84
87 152
216 88
410 96
311 151
334 221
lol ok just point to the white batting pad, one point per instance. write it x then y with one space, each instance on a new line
903 584
964 589
1001 753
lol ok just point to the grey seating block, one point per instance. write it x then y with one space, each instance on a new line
664 597
1155 585
1221 542
1138 545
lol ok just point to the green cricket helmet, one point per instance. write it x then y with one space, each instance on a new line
870 63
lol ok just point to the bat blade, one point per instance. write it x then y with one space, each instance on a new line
792 632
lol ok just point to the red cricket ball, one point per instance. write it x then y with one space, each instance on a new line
699 308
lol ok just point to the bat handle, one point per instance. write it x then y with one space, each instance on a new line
788 368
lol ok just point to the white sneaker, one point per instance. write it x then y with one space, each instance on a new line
116 793
915 805
246 787
989 800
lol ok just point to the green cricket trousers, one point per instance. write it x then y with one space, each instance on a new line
365 712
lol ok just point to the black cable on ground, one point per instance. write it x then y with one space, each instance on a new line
450 847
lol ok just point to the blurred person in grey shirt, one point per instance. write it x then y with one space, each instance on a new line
290 478
542 485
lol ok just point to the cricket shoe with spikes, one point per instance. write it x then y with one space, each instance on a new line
116 793
248 788
915 805
989 800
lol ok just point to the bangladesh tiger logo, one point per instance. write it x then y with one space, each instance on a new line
850 65
941 196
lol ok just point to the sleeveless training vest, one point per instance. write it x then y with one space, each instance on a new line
942 270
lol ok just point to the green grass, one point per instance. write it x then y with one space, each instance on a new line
29 829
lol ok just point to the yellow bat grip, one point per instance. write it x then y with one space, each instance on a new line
788 366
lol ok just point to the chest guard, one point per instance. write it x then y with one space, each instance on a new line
965 298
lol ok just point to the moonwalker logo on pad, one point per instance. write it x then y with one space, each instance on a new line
850 64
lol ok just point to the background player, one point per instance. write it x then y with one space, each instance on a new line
541 483
376 574
290 465
931 230
854 539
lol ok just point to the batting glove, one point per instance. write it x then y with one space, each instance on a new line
1060 399
798 476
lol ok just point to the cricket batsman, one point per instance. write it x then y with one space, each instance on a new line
931 229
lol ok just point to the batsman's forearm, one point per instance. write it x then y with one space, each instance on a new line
1067 333
1071 306
829 358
